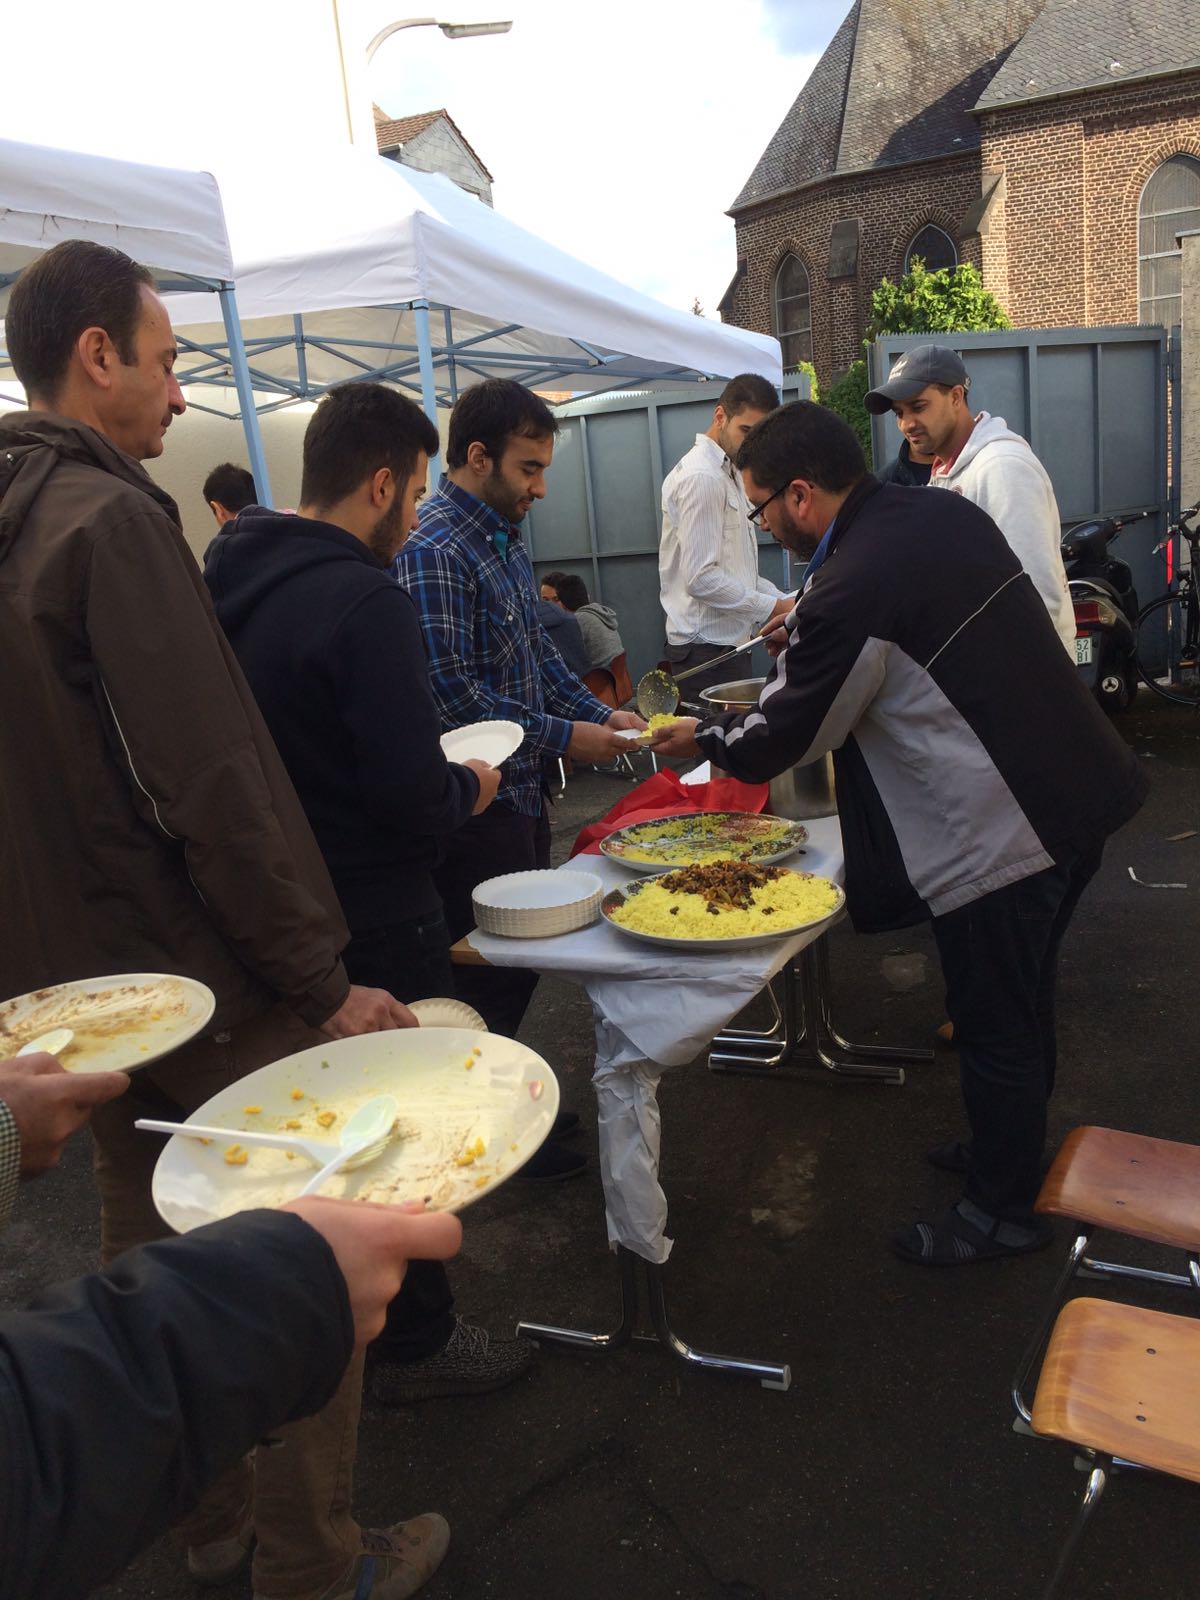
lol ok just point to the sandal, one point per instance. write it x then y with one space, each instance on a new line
955 1239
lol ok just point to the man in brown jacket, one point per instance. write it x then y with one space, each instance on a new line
147 824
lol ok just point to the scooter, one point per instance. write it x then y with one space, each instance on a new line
1106 608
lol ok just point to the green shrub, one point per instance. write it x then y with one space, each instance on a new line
814 387
951 300
847 397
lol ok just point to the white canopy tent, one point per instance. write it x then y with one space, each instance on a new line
171 221
348 265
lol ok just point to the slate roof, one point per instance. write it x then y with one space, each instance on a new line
897 84
393 131
1082 44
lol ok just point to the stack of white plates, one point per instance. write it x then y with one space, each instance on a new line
537 905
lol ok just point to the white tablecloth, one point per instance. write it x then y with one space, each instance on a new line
653 1008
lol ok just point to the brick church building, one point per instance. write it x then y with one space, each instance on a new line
1054 144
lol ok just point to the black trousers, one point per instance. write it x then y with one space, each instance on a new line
495 842
999 958
683 657
411 960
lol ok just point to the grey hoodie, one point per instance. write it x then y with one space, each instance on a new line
601 640
999 472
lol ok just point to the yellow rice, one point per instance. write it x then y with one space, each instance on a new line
792 900
705 836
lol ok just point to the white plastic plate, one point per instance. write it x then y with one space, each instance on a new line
120 1023
507 1097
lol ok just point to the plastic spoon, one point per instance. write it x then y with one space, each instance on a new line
362 1139
54 1042
318 1151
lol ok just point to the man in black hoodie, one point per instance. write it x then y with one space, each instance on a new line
332 648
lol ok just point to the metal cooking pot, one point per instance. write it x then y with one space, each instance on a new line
798 792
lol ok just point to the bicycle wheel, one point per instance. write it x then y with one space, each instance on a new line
1167 647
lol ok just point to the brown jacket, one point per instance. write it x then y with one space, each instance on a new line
146 821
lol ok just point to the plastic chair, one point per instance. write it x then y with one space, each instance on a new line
1126 1183
612 685
1123 1384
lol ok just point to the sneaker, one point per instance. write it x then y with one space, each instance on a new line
551 1164
215 1563
395 1561
472 1362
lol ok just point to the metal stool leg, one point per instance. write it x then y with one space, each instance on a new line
1038 1342
1097 1479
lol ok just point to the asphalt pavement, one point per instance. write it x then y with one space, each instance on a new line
890 1468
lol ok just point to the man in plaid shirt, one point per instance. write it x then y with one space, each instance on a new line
471 579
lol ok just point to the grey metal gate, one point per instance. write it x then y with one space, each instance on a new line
603 508
1093 404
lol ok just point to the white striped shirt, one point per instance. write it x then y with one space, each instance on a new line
709 583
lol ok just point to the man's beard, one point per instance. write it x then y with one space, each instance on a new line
796 540
387 536
500 495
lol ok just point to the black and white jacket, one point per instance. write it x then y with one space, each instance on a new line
968 755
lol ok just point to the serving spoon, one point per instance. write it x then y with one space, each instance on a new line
658 690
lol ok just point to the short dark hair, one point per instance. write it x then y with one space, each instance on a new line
76 285
748 391
492 413
571 590
803 441
356 429
231 487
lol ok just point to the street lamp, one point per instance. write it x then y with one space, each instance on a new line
355 99
452 30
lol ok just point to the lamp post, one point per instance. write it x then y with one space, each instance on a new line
452 30
356 100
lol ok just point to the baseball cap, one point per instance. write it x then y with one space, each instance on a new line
915 370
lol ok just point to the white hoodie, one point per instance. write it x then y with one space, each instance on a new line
999 472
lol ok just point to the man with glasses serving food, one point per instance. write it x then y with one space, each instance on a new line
973 800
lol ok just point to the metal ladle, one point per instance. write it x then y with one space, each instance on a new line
658 691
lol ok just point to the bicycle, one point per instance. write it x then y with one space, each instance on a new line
1167 630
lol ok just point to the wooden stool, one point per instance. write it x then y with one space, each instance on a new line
1123 1384
1128 1183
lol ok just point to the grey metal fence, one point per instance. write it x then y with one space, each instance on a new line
1092 402
603 508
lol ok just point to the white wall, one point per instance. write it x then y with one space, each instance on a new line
439 149
196 442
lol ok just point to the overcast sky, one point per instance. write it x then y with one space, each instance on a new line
621 132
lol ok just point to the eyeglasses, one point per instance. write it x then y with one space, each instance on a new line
756 512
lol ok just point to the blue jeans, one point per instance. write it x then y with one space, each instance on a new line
999 958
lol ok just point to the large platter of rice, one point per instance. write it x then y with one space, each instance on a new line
691 838
722 905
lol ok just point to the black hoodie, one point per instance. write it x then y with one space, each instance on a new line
331 646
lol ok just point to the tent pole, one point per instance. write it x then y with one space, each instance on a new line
241 378
425 366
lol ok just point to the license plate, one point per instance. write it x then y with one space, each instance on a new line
1083 650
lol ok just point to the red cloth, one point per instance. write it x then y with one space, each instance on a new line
663 794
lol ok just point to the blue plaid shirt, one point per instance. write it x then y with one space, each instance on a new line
471 580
